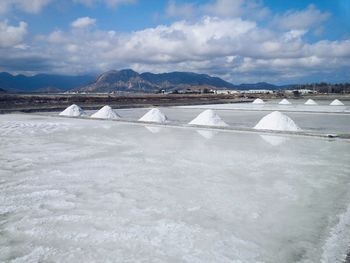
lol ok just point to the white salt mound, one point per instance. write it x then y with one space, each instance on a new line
284 102
278 122
336 102
105 112
258 101
310 102
73 111
208 118
154 115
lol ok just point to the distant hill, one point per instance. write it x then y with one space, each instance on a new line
132 81
123 80
42 82
259 85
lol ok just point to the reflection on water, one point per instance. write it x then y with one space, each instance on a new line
153 129
207 134
274 140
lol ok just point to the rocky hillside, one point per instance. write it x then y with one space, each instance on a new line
129 80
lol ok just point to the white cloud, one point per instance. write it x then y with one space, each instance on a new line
301 19
294 34
111 3
32 6
236 49
55 37
119 2
86 2
180 10
83 22
253 9
10 36
228 43
230 8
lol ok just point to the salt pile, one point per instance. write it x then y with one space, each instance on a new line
208 118
73 111
310 102
278 122
258 101
336 102
154 115
105 113
284 102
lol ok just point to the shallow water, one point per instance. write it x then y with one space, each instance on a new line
315 122
75 190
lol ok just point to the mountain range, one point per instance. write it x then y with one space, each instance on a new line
42 82
123 80
129 80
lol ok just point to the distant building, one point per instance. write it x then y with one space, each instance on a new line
257 91
302 91
225 92
306 91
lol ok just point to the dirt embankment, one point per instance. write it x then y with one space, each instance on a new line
32 103
56 102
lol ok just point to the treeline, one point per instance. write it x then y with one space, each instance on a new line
324 87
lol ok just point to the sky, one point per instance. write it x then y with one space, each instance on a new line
241 41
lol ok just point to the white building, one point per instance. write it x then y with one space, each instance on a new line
226 92
302 91
258 91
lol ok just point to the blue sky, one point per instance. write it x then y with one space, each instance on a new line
239 40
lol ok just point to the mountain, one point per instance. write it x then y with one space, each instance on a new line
132 81
122 80
259 85
2 90
42 82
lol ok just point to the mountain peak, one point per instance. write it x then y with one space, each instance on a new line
132 81
112 76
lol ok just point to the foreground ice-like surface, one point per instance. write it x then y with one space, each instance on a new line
103 191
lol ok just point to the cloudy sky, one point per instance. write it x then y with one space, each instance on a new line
280 42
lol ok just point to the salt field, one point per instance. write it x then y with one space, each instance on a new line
87 190
315 122
295 106
197 131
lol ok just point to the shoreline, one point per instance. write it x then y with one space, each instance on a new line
31 102
38 103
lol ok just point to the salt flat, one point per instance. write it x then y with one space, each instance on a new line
315 122
75 190
272 105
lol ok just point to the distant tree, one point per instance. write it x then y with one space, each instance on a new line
296 93
205 90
